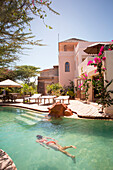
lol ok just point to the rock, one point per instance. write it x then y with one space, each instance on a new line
58 110
6 162
68 112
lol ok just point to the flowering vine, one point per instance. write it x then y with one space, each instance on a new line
101 85
85 84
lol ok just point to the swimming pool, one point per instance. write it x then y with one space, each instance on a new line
93 139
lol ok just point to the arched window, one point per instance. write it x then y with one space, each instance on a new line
67 67
65 47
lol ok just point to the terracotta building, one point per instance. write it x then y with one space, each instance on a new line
47 76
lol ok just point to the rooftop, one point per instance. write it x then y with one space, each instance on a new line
73 40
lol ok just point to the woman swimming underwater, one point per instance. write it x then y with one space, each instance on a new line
54 145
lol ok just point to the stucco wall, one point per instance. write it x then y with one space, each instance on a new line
66 56
50 72
109 76
47 76
65 77
74 57
79 55
47 73
69 46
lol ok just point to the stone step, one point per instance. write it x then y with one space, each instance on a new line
27 121
36 114
31 117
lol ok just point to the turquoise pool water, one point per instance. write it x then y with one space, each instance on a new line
93 139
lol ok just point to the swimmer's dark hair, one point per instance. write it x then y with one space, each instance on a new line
39 136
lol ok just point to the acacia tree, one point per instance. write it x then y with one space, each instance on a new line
15 16
6 73
25 72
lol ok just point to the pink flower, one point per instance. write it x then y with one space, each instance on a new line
104 68
80 85
33 2
102 48
104 58
84 78
112 40
109 49
89 62
95 71
85 75
100 53
97 60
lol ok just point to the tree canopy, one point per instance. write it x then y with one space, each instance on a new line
25 72
6 73
15 16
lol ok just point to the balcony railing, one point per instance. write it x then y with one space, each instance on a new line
83 66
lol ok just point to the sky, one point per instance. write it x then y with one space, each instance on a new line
90 20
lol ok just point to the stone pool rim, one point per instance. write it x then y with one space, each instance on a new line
39 110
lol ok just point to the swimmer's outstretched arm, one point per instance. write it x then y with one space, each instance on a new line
51 138
42 144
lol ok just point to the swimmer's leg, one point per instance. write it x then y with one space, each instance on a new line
66 147
67 153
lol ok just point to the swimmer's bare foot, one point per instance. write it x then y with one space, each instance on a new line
73 158
73 146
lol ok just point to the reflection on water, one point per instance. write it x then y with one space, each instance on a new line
93 139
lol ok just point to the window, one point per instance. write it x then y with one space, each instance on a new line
65 47
67 67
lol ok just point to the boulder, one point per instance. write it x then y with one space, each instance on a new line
68 112
6 162
59 110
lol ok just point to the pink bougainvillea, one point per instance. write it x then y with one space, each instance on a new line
85 75
85 83
89 62
97 60
104 58
80 85
102 49
84 78
99 85
100 53
104 68
33 2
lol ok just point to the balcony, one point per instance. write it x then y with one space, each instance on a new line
83 66
69 53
